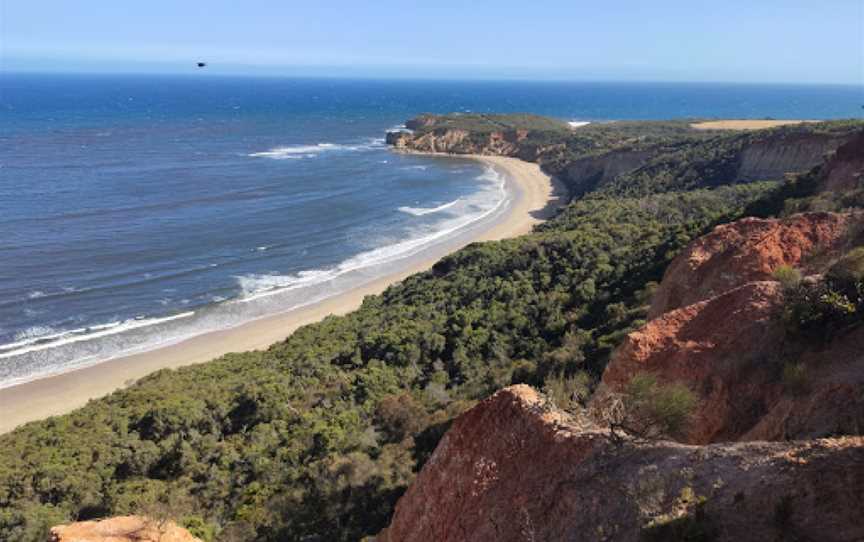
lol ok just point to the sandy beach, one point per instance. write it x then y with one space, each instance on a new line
749 124
536 197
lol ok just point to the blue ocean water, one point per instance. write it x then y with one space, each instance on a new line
139 210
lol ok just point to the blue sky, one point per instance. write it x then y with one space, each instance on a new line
807 41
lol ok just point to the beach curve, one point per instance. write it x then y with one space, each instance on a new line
537 196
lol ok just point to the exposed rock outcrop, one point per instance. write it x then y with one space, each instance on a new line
514 469
721 348
455 141
767 158
750 250
845 170
715 325
586 174
121 529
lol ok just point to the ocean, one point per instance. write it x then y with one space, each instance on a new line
136 211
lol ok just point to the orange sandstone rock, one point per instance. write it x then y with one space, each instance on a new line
121 529
515 469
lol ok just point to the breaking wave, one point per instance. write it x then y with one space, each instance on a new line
420 211
298 152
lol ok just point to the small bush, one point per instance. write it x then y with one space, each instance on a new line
816 311
652 410
787 276
569 393
847 275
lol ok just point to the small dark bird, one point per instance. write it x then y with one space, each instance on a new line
202 64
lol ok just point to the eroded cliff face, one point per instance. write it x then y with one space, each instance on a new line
767 157
750 250
716 326
843 171
121 529
515 469
764 160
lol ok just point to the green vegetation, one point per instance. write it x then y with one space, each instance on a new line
651 410
818 309
317 437
788 277
480 123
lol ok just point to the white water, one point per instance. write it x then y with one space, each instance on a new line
43 352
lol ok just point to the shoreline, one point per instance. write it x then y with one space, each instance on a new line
535 198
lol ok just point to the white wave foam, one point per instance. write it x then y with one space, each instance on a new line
44 341
578 123
257 286
36 294
420 211
297 152
418 168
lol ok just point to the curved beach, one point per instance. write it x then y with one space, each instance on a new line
535 197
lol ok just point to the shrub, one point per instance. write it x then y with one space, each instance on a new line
847 275
814 310
569 393
652 410
787 276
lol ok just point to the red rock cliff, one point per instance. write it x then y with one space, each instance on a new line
716 326
514 469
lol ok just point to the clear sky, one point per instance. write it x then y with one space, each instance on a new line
807 41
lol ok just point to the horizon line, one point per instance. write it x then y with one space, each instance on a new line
199 72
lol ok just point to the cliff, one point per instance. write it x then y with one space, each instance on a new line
717 326
765 159
515 469
599 155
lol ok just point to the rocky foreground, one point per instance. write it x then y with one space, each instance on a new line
515 469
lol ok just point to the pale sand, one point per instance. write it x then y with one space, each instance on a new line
745 124
537 199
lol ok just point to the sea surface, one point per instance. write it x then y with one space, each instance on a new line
136 211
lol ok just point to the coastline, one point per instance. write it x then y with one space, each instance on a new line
536 197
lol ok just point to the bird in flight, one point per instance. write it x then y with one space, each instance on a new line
202 64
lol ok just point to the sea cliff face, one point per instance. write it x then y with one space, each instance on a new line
584 160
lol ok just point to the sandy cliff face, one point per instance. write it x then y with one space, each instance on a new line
513 469
844 170
766 159
716 326
751 250
121 529
452 141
